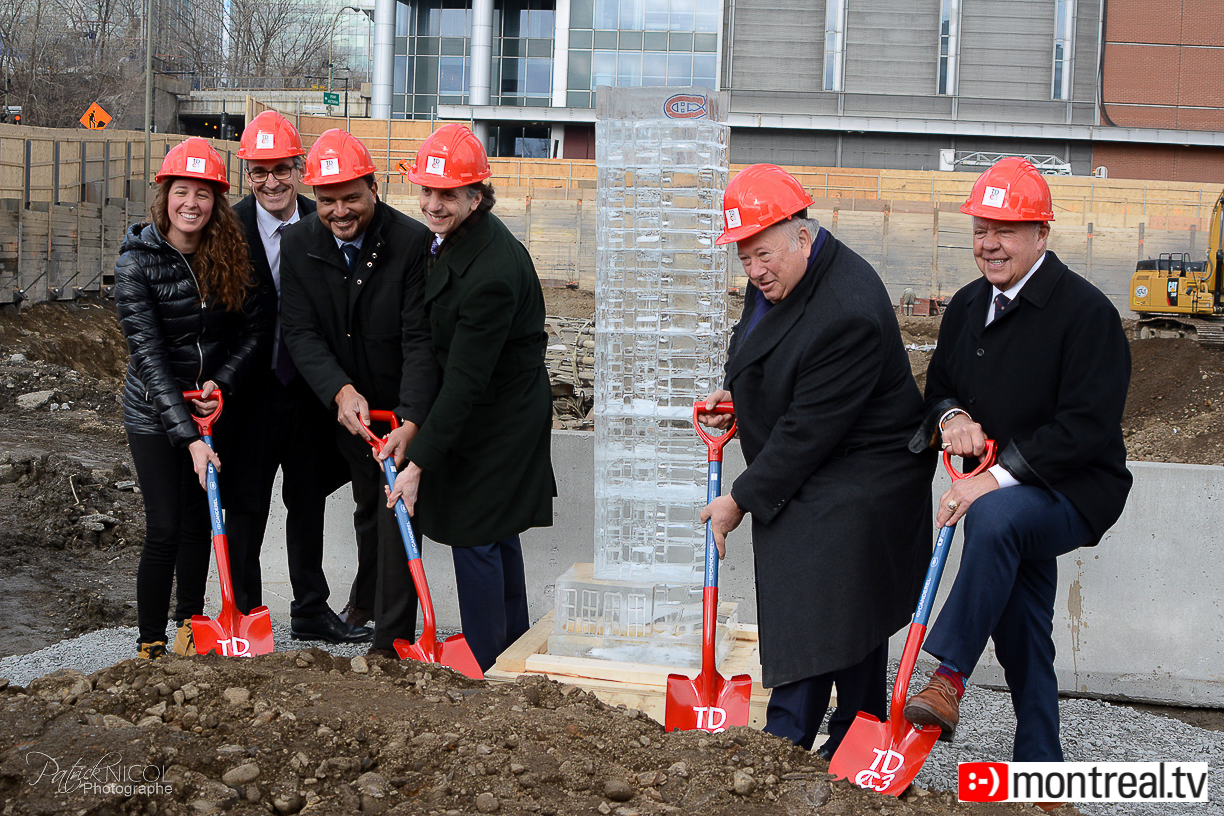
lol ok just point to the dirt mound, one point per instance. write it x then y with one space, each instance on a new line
303 731
1173 410
81 335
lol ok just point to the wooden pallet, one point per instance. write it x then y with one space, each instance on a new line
636 685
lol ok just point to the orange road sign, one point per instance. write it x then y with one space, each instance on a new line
403 166
95 118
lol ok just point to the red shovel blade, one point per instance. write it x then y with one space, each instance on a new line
886 756
457 654
709 702
883 756
244 636
454 653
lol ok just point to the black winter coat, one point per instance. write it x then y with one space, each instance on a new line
841 510
369 331
485 448
1046 380
175 340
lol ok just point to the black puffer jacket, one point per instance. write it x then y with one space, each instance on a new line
176 342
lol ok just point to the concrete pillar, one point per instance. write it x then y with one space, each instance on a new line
482 63
384 58
560 82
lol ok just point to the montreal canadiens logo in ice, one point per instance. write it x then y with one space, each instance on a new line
685 106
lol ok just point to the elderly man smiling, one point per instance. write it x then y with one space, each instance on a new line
840 507
1032 356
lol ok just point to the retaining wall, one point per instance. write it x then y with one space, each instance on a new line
1138 617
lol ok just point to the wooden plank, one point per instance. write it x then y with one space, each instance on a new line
636 685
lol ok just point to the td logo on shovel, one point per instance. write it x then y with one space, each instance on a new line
711 718
235 647
882 771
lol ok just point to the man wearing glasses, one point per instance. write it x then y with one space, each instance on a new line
282 425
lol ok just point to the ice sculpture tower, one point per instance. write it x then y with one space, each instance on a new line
660 340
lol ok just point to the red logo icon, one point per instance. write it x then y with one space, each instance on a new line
685 106
982 781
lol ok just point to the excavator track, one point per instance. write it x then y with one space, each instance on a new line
1207 333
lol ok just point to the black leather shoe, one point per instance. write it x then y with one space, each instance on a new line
355 615
327 626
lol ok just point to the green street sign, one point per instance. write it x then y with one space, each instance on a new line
331 98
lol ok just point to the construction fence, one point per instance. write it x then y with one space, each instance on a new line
67 196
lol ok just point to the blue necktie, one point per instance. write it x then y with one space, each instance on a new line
1001 302
350 252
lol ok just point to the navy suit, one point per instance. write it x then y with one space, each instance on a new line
1047 380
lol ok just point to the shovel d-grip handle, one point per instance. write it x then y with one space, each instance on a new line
715 444
389 417
205 422
986 460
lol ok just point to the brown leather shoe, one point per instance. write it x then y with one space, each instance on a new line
355 615
936 704
390 654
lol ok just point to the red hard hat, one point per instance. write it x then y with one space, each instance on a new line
758 197
336 157
194 158
452 156
1011 190
270 136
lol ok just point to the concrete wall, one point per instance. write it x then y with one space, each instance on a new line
1138 617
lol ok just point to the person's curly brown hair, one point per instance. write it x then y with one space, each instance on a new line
221 264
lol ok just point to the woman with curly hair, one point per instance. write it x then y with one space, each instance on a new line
185 296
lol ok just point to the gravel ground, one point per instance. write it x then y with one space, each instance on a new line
1092 730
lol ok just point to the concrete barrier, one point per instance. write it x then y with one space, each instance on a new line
1138 617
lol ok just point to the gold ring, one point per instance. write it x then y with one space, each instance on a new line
952 506
946 445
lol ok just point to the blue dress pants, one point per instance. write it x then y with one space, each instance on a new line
492 592
1004 591
797 709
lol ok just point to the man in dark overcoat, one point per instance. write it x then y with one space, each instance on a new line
841 509
353 282
270 420
482 461
1034 357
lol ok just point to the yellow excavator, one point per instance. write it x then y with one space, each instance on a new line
1177 297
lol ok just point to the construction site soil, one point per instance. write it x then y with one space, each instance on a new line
302 730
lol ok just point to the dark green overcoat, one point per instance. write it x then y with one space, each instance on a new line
484 448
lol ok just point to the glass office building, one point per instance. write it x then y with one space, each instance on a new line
605 42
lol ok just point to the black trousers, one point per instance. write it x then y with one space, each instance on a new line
797 709
394 599
492 591
285 428
178 537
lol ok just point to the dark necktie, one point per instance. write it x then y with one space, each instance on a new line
350 253
436 247
285 369
1001 302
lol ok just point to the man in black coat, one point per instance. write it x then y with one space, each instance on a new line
353 287
279 411
841 509
1035 357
